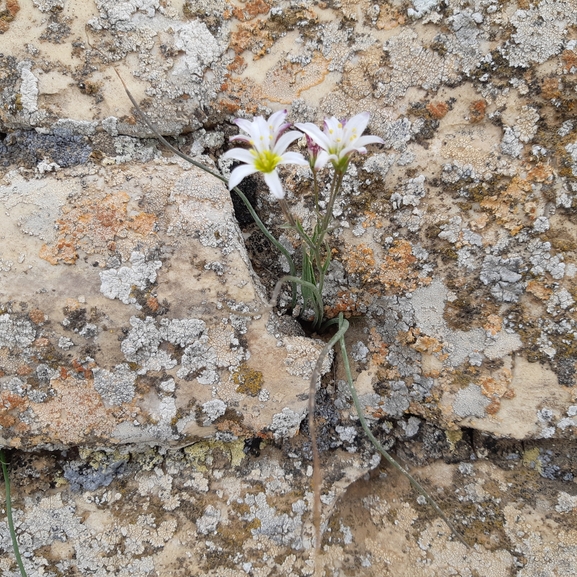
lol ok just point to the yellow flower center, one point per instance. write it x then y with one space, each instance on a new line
266 161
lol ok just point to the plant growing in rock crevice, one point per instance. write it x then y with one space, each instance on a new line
268 141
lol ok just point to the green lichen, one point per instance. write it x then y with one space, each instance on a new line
200 455
249 381
453 437
531 459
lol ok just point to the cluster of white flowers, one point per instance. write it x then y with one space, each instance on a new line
269 140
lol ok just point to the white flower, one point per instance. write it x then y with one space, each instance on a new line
340 139
268 142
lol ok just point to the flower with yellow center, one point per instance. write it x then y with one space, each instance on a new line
268 141
339 140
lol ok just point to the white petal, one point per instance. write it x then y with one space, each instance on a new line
315 133
332 124
285 140
239 154
244 124
359 144
293 158
239 173
358 122
321 160
273 182
369 139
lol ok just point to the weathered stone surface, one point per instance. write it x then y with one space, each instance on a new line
213 510
131 314
475 187
130 307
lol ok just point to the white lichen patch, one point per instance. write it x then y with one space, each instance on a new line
120 283
115 387
539 32
15 332
302 355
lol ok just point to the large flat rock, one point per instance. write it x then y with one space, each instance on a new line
130 314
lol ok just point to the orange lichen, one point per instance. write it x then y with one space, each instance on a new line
37 316
24 370
346 302
397 269
496 388
152 303
84 370
551 88
253 36
41 343
377 347
539 290
494 324
240 94
569 59
390 17
507 205
437 109
93 226
8 14
74 413
493 407
428 345
11 406
477 111
492 387
250 10
360 260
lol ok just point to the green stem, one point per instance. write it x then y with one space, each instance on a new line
336 185
344 323
11 528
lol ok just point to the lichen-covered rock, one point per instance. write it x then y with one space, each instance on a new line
131 314
108 297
